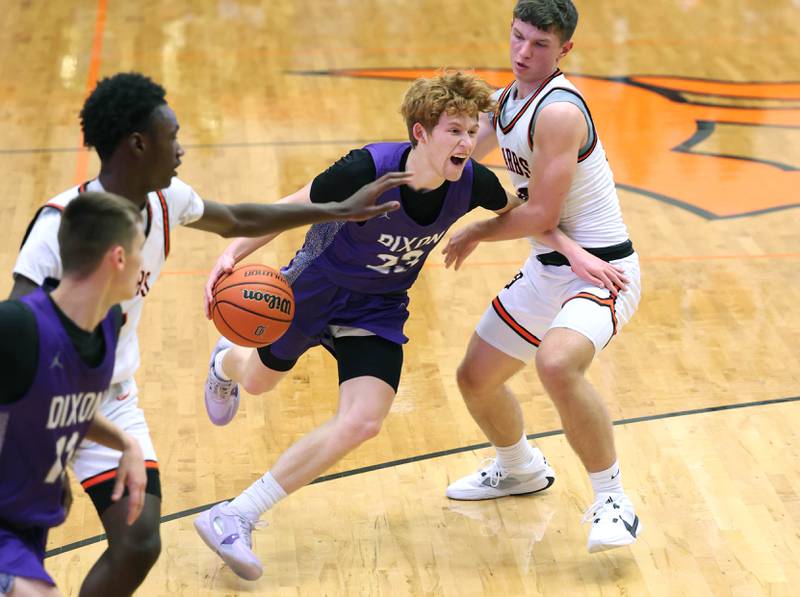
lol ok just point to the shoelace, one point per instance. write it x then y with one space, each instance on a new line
245 526
604 502
223 389
490 468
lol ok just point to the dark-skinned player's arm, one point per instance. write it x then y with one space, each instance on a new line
254 220
22 286
560 132
359 206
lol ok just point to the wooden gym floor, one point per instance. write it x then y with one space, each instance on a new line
698 104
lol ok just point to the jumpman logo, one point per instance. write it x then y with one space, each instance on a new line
385 215
57 361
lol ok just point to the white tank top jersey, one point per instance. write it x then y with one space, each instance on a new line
39 256
591 214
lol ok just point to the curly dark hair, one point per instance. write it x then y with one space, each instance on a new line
118 106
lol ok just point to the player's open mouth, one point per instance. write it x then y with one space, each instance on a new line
458 161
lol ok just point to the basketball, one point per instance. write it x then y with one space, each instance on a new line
253 306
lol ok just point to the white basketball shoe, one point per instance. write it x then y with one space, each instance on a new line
614 522
491 481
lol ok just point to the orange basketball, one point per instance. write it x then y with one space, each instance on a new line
253 306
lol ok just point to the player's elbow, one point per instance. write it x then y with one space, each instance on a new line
232 232
234 226
543 222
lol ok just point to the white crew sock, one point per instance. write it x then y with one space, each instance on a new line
607 481
218 370
258 498
517 457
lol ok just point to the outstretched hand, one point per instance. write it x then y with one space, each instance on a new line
600 273
224 266
361 204
459 247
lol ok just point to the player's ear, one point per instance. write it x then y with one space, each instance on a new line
136 143
419 132
565 48
117 256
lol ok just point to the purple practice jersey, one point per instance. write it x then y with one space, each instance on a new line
385 254
40 431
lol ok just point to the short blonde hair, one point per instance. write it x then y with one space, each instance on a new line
455 93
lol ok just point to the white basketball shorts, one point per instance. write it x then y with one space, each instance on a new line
93 463
541 297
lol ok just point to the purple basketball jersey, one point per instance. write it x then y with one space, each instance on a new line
39 432
385 254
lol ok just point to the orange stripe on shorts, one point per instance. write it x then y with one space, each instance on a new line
609 302
101 477
513 324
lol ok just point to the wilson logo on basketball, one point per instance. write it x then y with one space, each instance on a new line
283 305
715 148
259 272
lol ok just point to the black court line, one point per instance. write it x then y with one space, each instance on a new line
237 145
706 128
375 467
699 210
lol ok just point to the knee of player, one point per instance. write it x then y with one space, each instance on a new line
356 429
138 548
256 382
471 380
555 366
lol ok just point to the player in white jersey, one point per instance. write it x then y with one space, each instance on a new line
128 121
549 312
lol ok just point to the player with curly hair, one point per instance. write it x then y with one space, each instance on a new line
135 132
350 283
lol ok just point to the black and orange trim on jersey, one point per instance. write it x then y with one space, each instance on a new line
500 101
585 154
513 323
81 189
504 98
609 302
149 219
165 214
110 474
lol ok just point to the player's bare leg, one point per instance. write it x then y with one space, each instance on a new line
518 467
562 361
364 403
230 366
244 366
131 553
482 377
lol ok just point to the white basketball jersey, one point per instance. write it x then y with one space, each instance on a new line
591 214
39 256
